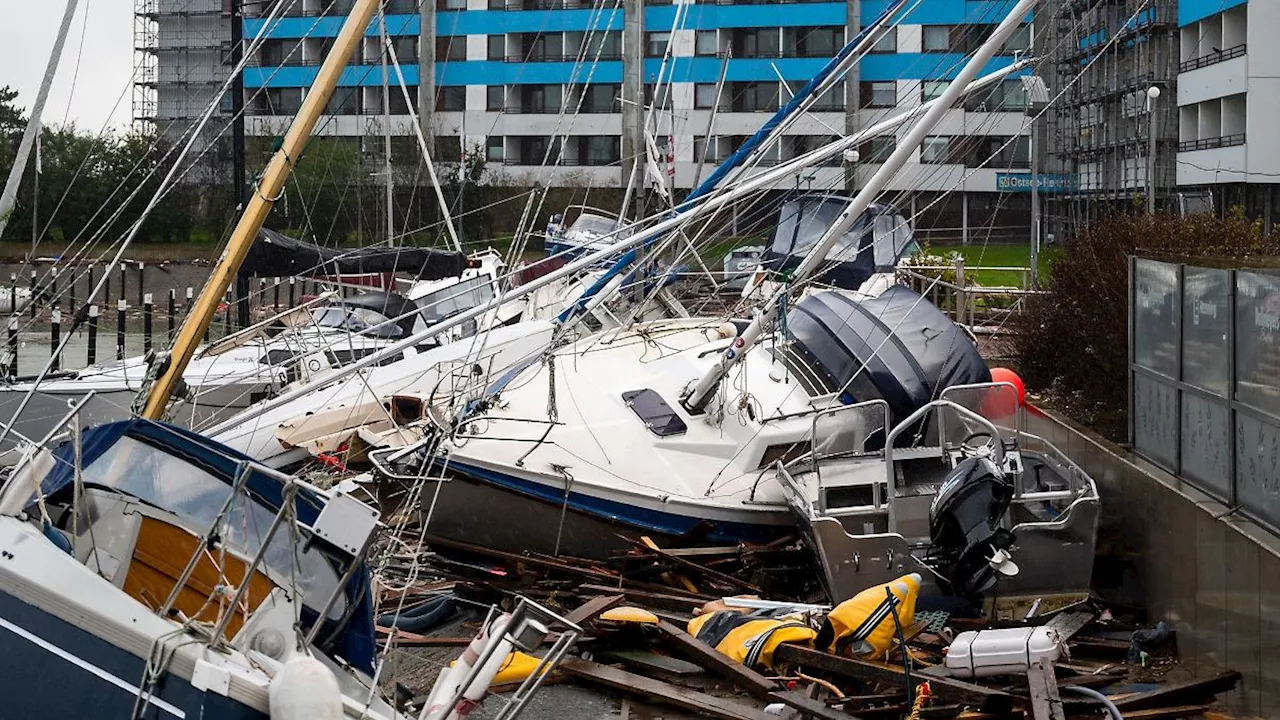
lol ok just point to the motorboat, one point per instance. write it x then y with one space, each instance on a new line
591 229
864 259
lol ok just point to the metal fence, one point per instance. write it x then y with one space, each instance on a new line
1204 380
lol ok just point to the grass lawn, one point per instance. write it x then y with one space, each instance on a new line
987 256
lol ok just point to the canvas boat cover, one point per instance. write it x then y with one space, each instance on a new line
876 243
897 347
277 255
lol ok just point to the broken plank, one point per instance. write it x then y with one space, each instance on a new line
592 608
408 639
1167 713
705 571
648 660
717 664
1045 701
661 692
1069 623
810 707
944 687
1193 690
669 601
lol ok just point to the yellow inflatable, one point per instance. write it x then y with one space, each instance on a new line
749 638
863 625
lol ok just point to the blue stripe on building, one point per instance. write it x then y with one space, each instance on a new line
1190 11
701 17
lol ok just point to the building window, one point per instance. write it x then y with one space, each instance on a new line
830 101
936 38
936 150
878 94
757 43
1019 42
754 97
452 98
599 150
1006 96
813 41
704 96
497 47
451 48
655 43
932 89
706 43
702 152
445 5
495 98
493 149
888 43
601 98
407 48
877 149
448 148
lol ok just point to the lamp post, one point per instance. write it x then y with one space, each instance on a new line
1153 94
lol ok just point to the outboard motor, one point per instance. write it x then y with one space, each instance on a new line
970 549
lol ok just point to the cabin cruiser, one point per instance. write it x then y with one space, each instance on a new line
592 229
300 345
864 259
149 572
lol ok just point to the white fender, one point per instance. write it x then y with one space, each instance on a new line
305 689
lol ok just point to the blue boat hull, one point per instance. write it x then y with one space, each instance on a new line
53 670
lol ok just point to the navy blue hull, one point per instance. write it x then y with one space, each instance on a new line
499 511
52 670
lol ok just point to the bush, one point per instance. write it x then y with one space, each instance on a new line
1072 343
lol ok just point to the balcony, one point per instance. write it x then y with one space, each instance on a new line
1213 58
1213 143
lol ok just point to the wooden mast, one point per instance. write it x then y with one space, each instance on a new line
268 190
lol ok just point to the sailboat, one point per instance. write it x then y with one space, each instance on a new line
701 430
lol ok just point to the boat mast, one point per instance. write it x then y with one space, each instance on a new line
10 195
268 190
704 390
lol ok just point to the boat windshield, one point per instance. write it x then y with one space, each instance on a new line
803 223
173 484
593 225
450 301
358 320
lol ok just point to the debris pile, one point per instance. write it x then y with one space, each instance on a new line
691 630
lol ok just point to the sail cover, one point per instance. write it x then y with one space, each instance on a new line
898 346
277 255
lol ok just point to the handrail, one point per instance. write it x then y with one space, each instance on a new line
1214 58
1222 141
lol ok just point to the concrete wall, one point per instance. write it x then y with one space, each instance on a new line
1172 549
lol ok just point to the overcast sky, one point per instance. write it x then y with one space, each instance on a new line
105 68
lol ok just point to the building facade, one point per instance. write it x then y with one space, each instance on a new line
1228 96
560 91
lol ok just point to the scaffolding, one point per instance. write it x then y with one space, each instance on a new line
1099 131
146 67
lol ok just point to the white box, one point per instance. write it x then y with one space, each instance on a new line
1011 651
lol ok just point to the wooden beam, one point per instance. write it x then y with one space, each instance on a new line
810 707
1167 713
1069 623
706 656
592 608
1045 701
695 567
661 692
1193 690
942 686
667 600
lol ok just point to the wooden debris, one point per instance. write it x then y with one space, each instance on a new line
592 608
640 660
717 664
1045 702
943 687
661 692
1069 623
1194 690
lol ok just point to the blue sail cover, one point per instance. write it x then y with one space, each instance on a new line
353 639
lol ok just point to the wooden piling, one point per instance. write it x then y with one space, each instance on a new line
146 323
122 306
173 310
13 346
55 336
92 357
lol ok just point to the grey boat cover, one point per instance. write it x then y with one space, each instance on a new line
277 255
898 347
